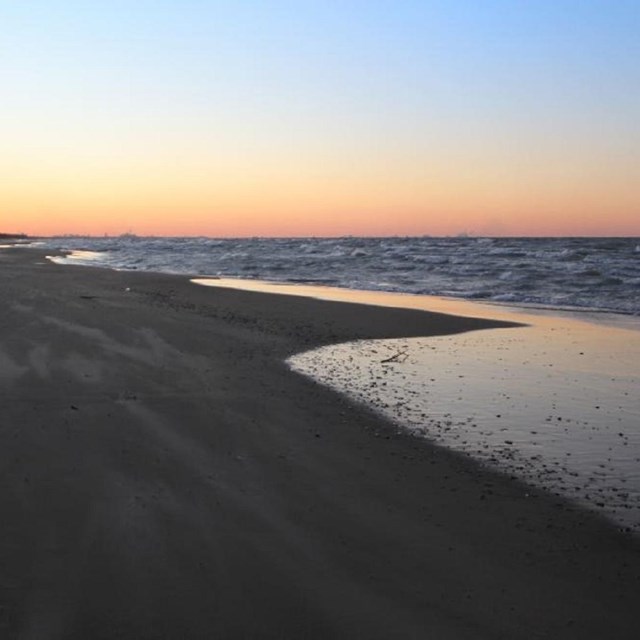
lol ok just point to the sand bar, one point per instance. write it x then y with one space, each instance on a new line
165 475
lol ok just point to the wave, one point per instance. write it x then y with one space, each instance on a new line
595 273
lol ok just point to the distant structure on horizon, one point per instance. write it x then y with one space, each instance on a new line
13 236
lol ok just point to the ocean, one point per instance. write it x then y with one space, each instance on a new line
555 403
574 273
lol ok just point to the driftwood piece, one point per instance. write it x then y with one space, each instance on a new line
401 356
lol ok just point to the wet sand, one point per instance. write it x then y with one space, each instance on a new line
554 402
164 475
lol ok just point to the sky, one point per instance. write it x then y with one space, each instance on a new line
320 118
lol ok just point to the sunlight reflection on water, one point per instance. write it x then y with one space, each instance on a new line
555 402
547 405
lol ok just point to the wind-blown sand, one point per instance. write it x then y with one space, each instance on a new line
165 475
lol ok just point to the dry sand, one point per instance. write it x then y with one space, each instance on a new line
164 475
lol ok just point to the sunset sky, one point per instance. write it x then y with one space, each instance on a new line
334 117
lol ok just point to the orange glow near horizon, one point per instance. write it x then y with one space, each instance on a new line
233 186
313 220
330 203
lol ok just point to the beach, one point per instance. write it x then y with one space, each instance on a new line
166 475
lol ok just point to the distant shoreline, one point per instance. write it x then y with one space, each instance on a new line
14 236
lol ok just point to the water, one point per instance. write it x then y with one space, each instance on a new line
555 403
592 273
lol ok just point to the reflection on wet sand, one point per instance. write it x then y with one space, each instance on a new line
554 401
544 403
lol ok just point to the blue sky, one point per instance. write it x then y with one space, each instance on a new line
268 82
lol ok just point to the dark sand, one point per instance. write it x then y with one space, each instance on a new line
163 475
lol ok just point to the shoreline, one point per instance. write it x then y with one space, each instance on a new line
552 272
591 455
168 476
517 313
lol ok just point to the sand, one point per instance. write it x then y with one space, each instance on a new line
165 475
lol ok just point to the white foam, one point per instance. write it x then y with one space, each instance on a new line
79 256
